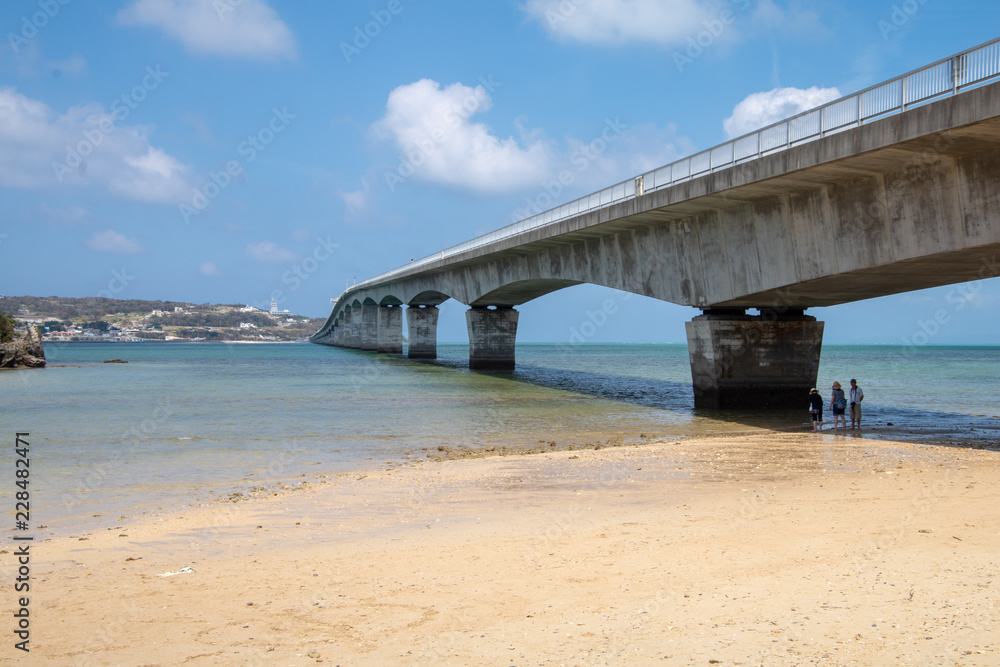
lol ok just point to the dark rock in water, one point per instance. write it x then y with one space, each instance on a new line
25 352
115 361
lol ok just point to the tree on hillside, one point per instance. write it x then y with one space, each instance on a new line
7 324
99 325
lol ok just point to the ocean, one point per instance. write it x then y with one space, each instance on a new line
187 422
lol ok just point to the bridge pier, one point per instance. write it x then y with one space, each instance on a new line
345 325
369 327
764 361
354 342
491 338
390 330
421 327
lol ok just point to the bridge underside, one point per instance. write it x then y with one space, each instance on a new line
905 276
907 202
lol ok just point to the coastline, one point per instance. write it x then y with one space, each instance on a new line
767 548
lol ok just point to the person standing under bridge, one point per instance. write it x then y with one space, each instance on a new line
816 409
838 403
856 396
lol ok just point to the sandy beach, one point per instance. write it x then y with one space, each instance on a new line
760 549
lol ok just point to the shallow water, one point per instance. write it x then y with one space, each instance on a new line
181 421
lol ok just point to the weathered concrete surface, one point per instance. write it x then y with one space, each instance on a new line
390 330
337 336
740 361
491 338
348 328
369 327
421 325
355 330
24 352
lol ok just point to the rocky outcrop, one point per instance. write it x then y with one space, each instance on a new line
24 352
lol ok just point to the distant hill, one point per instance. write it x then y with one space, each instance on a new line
90 318
88 308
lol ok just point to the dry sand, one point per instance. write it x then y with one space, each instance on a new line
766 549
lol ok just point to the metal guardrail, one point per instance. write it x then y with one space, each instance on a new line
945 77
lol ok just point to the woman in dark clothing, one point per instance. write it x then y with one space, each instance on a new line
816 409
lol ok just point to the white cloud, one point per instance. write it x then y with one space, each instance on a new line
794 21
762 109
359 203
244 28
112 241
638 149
662 22
151 177
31 63
74 215
972 294
268 252
75 64
439 143
209 269
84 147
615 152
356 200
200 127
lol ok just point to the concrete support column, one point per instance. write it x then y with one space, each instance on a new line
369 327
491 338
345 326
422 327
741 361
390 330
353 332
338 333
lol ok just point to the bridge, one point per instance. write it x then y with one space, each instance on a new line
891 189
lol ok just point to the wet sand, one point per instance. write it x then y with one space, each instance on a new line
755 549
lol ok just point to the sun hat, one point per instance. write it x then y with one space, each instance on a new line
813 391
836 385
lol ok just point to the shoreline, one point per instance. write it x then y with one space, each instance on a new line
773 548
976 438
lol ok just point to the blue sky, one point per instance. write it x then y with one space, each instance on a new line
242 149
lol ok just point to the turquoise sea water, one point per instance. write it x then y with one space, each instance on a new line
181 421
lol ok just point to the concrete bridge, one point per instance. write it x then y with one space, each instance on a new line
893 189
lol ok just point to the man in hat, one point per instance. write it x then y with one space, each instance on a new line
855 397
